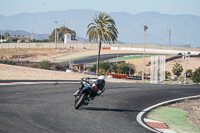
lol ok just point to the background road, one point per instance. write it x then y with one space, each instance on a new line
104 57
49 107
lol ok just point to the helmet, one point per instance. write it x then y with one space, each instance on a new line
100 82
102 77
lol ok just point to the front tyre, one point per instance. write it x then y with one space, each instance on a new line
80 101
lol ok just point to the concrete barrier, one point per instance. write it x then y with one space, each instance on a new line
93 46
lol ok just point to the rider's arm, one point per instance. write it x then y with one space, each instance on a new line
100 92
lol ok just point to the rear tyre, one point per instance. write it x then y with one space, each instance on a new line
80 101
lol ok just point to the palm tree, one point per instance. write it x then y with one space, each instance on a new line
102 29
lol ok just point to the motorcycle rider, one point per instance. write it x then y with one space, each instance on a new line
97 86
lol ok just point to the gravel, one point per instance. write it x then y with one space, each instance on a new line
191 106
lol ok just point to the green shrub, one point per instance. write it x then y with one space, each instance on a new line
140 74
102 71
12 63
45 64
167 74
113 68
196 76
177 69
92 69
59 67
189 73
6 61
106 67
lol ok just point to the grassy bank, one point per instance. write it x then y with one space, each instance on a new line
174 118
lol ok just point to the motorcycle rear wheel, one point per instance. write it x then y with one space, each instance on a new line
80 101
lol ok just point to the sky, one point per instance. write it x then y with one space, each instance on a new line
173 7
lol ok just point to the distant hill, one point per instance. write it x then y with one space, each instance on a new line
185 29
26 34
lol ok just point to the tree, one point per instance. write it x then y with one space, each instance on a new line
1 36
196 76
104 65
113 68
13 39
61 32
44 40
6 35
177 69
102 29
124 68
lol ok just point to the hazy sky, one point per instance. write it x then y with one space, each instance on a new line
12 7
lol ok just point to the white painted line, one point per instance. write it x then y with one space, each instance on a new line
23 83
139 120
69 82
139 116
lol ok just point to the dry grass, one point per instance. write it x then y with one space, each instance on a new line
9 72
34 53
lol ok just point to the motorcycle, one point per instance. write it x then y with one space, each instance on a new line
88 89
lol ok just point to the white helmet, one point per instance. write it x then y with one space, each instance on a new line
102 77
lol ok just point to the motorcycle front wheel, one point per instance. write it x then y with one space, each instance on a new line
80 101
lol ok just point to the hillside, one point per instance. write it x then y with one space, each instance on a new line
184 28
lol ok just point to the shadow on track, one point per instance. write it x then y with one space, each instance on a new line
107 109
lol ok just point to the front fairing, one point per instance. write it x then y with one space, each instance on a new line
86 90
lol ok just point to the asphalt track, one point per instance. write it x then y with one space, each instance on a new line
43 108
103 57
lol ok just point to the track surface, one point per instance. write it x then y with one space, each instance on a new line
49 107
103 57
93 58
